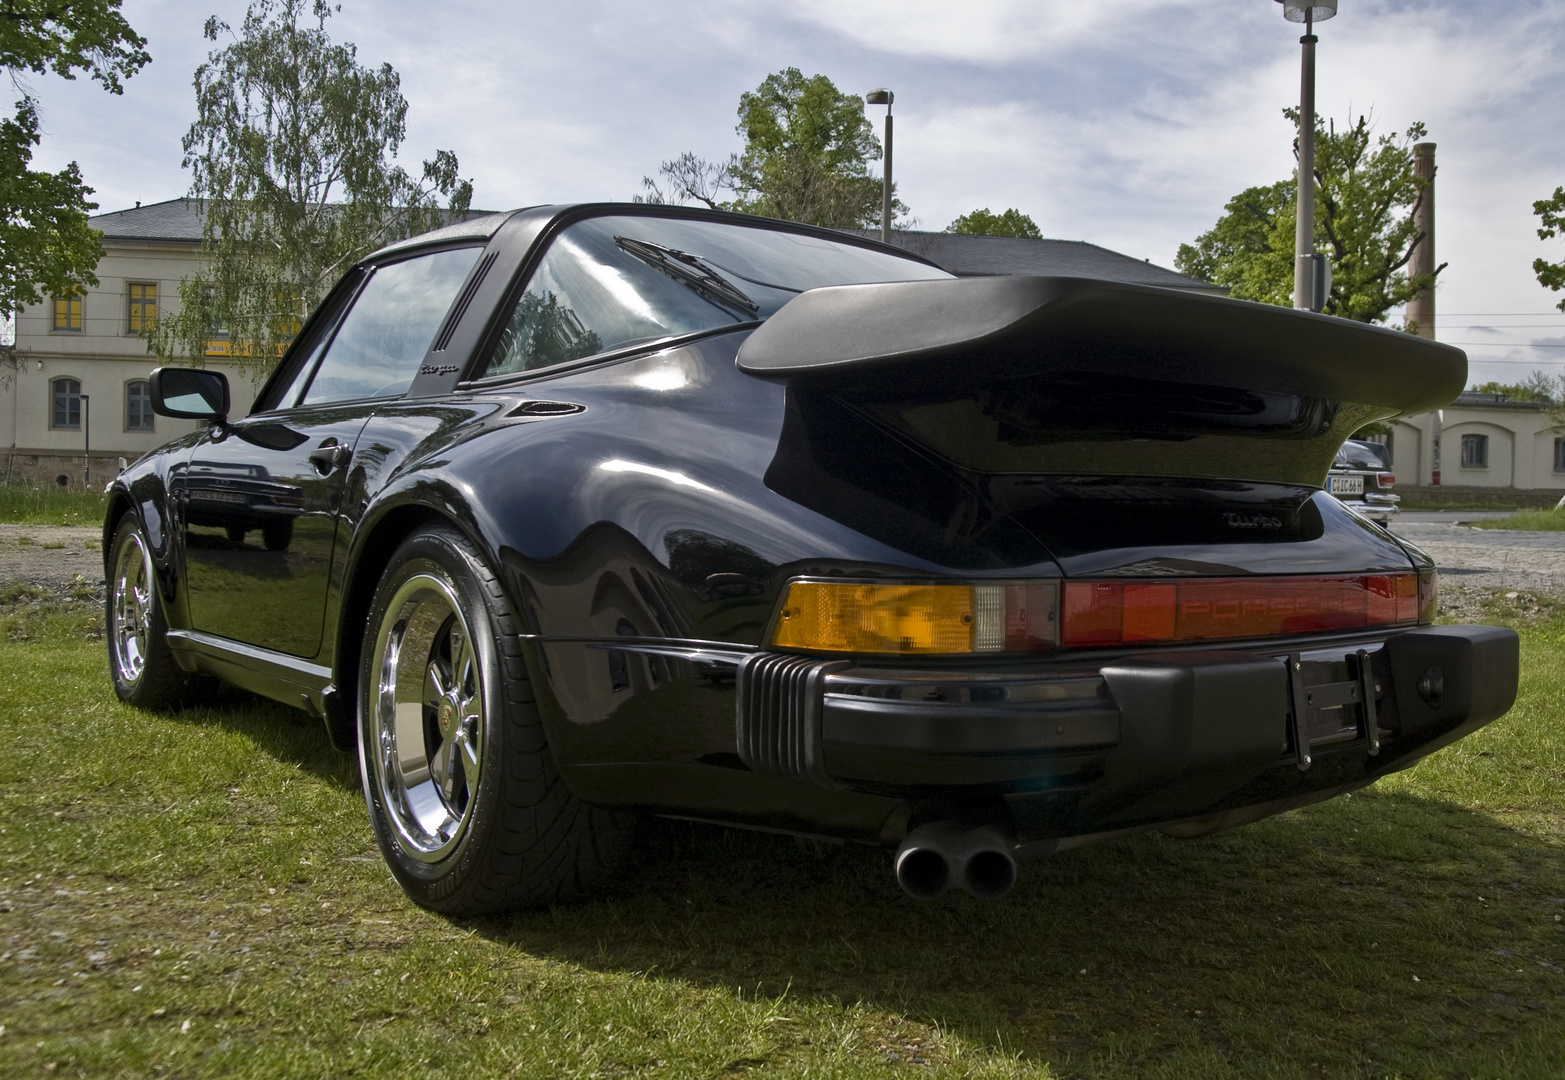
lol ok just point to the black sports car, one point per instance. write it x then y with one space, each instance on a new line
580 513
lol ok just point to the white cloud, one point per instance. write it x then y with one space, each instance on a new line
1125 122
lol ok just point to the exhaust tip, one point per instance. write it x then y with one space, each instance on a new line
922 872
989 874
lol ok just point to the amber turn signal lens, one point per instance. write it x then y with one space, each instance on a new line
912 619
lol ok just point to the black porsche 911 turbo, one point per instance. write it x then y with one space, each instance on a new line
575 514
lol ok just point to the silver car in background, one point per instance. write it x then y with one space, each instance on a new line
1361 477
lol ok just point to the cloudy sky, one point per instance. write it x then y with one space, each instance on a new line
1127 123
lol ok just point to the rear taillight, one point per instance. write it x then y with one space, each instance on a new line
1386 480
949 618
910 619
1099 613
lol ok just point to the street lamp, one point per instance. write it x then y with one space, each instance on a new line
86 441
881 96
1311 271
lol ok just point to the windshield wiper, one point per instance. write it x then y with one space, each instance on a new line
692 272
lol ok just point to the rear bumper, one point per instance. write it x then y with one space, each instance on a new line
1160 736
1378 505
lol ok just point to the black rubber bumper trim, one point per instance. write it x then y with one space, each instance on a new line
1197 725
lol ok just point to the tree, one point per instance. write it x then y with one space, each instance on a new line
290 153
807 148
983 223
690 179
46 245
1552 213
1366 196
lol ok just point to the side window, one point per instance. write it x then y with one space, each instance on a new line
1475 451
138 406
377 348
65 397
284 391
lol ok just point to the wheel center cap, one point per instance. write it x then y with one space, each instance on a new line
446 713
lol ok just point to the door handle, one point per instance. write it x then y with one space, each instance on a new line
329 457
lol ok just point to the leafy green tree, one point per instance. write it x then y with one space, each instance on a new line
291 152
46 245
983 223
1365 197
807 148
1552 213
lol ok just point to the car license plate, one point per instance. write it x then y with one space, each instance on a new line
1345 485
218 496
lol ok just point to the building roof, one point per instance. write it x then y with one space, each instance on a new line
1486 399
176 219
976 256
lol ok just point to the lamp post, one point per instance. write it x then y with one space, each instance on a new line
86 441
881 96
1311 271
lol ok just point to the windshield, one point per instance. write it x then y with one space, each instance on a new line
614 282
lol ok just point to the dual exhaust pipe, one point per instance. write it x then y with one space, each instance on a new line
942 856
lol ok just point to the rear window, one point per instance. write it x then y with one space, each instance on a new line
1360 455
610 283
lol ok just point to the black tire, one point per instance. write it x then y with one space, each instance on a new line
140 662
517 837
277 535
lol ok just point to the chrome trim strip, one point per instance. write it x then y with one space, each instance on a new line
266 661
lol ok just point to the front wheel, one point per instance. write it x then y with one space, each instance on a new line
465 799
140 661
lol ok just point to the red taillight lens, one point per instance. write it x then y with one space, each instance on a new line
1386 479
1115 613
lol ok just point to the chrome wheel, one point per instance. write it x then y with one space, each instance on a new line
131 603
427 724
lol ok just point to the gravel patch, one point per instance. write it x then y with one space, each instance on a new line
51 555
1491 558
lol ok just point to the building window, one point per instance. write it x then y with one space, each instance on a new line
67 315
67 398
1559 455
143 306
138 405
1475 451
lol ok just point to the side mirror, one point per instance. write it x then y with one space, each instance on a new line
190 394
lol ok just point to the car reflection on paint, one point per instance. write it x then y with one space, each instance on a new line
241 499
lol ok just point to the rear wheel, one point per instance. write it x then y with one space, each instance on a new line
464 796
143 667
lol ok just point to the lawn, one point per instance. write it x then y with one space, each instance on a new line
29 504
196 894
1531 520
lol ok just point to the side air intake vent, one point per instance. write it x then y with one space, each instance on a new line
778 720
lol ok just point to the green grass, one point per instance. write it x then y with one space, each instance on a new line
26 504
1531 520
196 894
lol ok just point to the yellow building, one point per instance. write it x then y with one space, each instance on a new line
80 373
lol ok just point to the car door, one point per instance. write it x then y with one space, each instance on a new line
261 496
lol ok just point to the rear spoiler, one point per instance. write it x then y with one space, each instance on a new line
910 338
